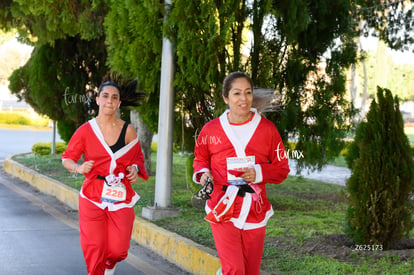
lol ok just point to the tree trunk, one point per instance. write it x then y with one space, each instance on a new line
145 138
353 90
352 87
365 94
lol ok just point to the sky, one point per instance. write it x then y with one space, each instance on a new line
400 58
25 51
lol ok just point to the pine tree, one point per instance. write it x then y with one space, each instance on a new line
381 186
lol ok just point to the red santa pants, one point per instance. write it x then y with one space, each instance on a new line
104 235
240 251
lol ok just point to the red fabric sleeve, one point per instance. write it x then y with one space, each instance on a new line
139 160
76 145
277 169
201 153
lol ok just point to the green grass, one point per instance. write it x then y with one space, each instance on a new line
304 209
339 161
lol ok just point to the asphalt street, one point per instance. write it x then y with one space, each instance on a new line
13 141
329 173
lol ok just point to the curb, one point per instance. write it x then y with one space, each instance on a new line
181 251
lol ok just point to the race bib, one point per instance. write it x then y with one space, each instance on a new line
236 167
113 189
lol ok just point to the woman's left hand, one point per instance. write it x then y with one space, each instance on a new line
132 175
249 175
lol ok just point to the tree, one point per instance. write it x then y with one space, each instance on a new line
300 49
68 57
208 38
42 22
294 61
134 42
381 186
390 21
46 24
208 45
200 34
55 78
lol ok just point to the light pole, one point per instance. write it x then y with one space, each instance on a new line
162 202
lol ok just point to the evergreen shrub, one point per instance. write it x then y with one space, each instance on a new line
382 182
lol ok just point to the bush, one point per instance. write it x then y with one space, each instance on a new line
45 148
41 149
382 180
60 147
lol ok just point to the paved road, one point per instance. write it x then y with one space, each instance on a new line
13 141
329 173
31 240
40 236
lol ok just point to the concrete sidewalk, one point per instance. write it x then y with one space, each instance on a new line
183 252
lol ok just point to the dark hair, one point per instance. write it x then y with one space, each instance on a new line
109 83
228 82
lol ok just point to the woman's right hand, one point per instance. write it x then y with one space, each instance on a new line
85 167
204 177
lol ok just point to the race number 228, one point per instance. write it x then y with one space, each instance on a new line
114 193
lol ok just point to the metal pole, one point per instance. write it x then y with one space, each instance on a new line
165 126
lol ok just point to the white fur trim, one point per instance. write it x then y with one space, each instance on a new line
250 226
117 154
259 174
111 206
110 271
238 147
198 172
244 212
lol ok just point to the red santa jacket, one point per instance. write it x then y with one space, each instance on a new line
89 141
217 142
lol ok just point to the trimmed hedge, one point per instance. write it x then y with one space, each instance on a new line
45 148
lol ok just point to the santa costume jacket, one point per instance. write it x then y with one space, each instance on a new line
89 141
220 140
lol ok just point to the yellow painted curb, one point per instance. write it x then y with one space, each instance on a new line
44 184
183 252
187 254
